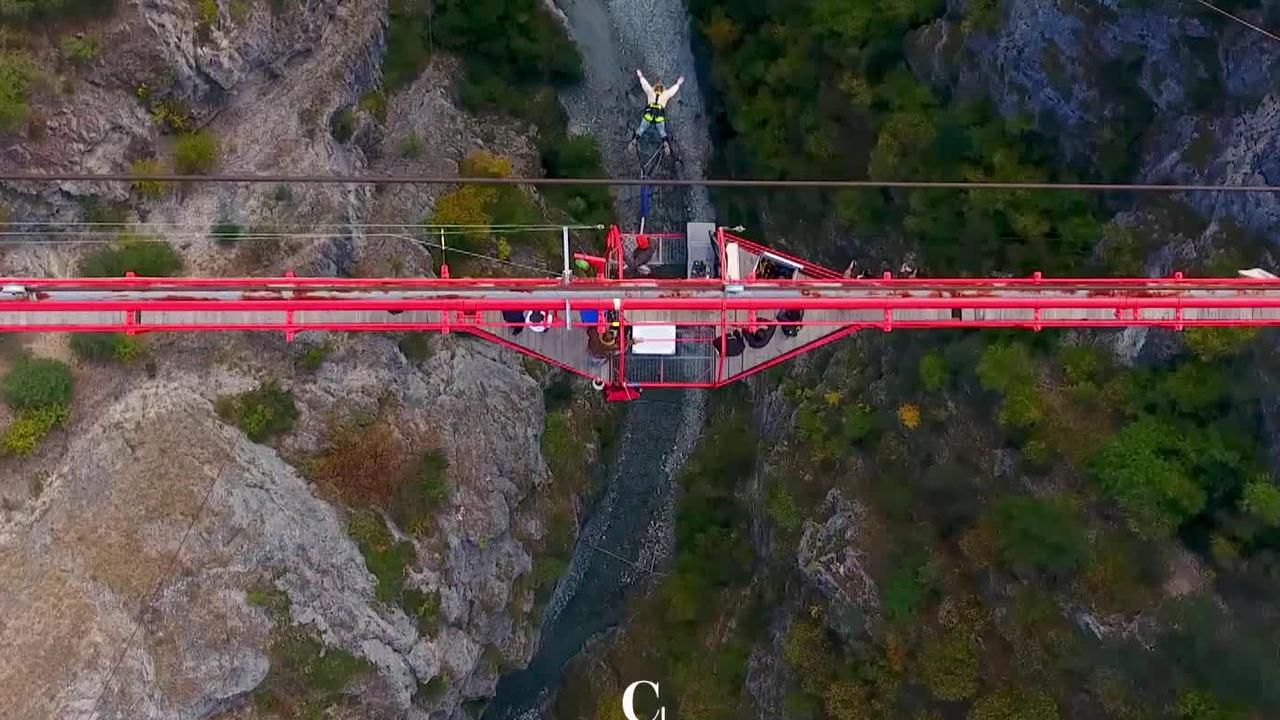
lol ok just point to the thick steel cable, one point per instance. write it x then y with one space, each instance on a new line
1240 20
634 182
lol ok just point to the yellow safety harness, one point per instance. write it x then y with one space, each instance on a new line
655 113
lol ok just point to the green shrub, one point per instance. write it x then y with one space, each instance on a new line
81 49
306 677
416 346
808 652
34 383
577 156
313 357
150 189
45 9
435 688
17 74
510 44
1121 575
206 15
934 373
544 575
408 42
343 125
424 608
226 232
411 147
1082 364
103 347
95 210
262 413
173 114
196 153
1211 344
781 507
281 194
22 437
94 346
1014 703
1005 366
1262 499
145 258
949 665
388 560
424 489
1037 535
1139 467
374 102
907 587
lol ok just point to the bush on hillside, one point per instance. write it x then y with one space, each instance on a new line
578 156
416 346
949 665
104 347
1035 535
196 153
1139 468
81 49
150 189
423 490
24 435
47 9
343 125
145 258
17 74
226 232
34 383
262 413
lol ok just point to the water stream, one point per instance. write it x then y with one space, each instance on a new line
630 528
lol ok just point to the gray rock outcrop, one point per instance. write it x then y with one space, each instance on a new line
832 562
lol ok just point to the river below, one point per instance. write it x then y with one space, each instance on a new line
629 532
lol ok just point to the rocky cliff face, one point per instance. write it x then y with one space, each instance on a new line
94 549
1154 92
96 601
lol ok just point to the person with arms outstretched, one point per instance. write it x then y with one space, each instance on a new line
655 116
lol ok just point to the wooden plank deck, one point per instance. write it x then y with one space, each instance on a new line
565 345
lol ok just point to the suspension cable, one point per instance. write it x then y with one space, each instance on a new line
635 182
1240 20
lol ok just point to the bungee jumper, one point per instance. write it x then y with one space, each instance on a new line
657 96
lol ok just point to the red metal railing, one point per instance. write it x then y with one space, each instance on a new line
704 310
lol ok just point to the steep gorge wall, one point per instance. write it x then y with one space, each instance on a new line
92 519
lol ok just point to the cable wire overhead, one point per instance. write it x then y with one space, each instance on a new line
1240 20
637 182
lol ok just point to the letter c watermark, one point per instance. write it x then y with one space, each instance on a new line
629 700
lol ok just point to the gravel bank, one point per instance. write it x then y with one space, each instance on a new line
617 37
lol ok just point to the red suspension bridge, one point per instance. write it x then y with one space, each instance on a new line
695 310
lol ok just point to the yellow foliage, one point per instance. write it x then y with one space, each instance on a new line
609 707
150 189
910 416
722 31
858 89
482 163
467 206
22 437
833 398
846 700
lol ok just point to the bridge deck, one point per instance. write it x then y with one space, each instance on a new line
701 312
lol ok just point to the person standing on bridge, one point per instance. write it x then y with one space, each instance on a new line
655 113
